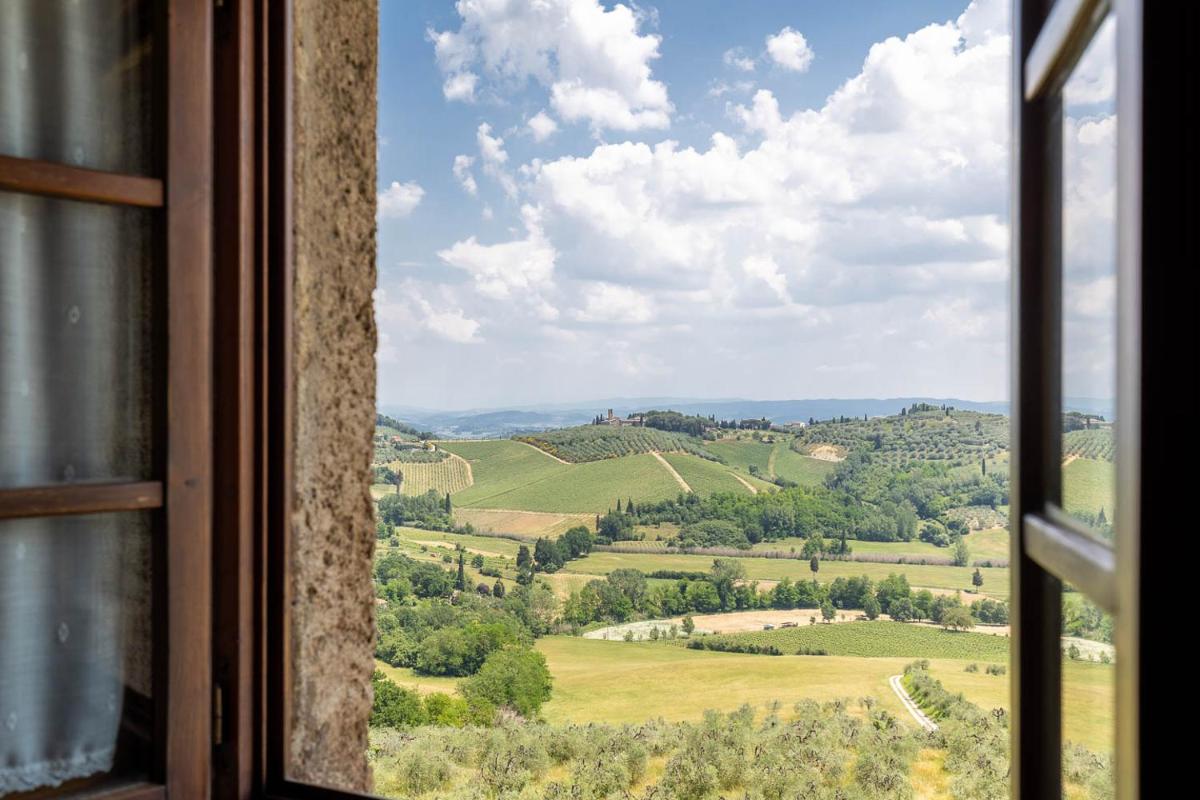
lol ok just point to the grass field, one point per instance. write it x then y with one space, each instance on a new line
488 545
449 475
511 475
802 469
742 453
633 682
879 639
995 580
708 477
1088 486
530 524
1088 701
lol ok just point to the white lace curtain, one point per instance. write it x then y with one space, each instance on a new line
74 388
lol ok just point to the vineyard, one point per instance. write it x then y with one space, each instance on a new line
877 639
1096 444
956 438
448 475
599 442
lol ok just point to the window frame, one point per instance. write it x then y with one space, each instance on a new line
1047 546
180 490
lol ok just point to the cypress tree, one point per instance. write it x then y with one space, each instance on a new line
460 582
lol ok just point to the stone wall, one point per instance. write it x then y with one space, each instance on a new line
335 59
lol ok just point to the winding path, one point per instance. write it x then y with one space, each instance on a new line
467 464
543 452
917 714
667 465
744 482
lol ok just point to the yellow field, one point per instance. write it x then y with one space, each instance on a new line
531 524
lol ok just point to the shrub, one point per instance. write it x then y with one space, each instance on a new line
515 678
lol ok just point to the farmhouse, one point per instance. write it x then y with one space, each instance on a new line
617 422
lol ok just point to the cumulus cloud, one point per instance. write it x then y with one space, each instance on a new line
462 173
789 49
842 238
398 200
542 126
594 62
508 269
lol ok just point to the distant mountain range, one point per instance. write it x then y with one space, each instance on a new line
493 422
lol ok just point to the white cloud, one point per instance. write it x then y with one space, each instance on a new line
593 61
606 302
411 314
398 200
521 267
789 49
766 270
721 88
462 173
542 126
491 150
737 58
460 86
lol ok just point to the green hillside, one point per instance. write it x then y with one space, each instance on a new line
706 477
598 442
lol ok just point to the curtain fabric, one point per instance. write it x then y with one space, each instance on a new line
75 386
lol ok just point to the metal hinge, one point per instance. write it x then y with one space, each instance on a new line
218 716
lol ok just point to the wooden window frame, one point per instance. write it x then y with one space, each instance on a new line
1155 225
181 487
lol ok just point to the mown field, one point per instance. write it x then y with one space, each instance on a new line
990 544
802 469
995 579
529 524
876 639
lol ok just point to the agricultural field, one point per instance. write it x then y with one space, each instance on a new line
708 477
526 524
509 475
877 639
486 545
742 454
599 442
804 470
957 438
995 579
1088 697
1096 443
447 475
1088 486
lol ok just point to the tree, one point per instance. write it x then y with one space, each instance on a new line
962 556
689 624
977 578
814 565
394 706
827 611
871 607
813 546
515 678
460 582
547 555
957 618
1101 519
901 610
629 506
725 573
524 559
446 505
618 505
498 589
477 561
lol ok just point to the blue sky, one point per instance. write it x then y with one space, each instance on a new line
694 198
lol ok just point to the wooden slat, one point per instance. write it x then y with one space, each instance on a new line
1064 36
73 183
79 498
183 668
1074 556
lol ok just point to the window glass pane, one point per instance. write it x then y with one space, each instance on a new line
1088 698
75 83
75 667
76 361
1090 284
